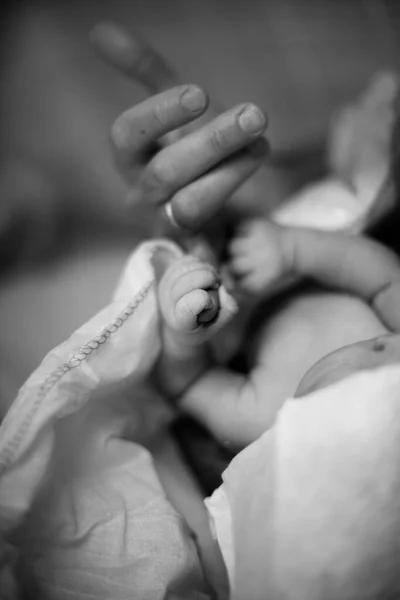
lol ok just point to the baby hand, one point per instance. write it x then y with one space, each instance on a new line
188 288
257 255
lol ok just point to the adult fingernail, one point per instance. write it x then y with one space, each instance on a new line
252 120
193 99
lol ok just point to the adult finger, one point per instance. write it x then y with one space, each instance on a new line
196 204
133 57
138 128
190 157
139 62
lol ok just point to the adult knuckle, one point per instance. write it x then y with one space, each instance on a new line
219 140
162 173
160 114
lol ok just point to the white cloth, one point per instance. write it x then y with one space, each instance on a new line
315 494
328 205
82 511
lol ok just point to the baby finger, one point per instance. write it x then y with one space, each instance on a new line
200 277
189 307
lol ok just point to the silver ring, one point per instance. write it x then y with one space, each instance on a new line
169 214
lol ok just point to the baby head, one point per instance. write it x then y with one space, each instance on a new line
362 356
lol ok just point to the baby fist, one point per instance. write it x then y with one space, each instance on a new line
188 291
257 258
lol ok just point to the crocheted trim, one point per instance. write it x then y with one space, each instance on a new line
75 361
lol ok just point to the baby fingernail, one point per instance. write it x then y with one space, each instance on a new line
252 120
217 281
193 99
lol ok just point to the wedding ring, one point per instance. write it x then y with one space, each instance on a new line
170 215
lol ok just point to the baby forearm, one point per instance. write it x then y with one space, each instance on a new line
353 264
180 363
236 408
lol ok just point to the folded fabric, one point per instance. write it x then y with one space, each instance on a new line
331 205
82 511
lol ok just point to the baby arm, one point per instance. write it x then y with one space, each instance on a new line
182 297
225 401
186 293
235 407
264 252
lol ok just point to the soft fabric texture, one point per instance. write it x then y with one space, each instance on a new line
315 499
331 205
83 513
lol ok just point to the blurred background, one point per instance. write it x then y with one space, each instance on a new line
64 227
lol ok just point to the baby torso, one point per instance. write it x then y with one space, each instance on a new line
289 334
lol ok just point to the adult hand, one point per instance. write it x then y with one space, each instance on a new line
163 156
